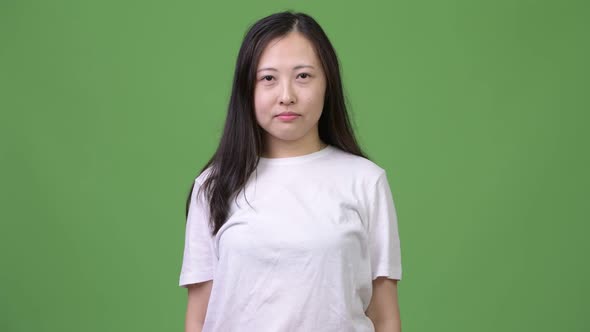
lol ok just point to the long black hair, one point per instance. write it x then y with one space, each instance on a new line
241 143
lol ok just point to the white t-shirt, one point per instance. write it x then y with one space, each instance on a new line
300 252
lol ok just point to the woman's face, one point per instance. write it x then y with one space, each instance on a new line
289 78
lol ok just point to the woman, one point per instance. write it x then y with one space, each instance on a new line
311 243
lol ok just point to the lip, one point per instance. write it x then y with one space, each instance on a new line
287 117
288 114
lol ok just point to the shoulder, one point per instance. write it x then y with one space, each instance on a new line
200 179
363 169
197 186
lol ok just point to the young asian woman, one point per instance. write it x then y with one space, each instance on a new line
290 226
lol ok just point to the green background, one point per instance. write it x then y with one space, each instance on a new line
478 110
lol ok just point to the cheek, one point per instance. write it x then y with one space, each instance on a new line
262 104
315 98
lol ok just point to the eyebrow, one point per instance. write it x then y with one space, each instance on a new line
294 68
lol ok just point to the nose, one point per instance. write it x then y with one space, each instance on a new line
287 95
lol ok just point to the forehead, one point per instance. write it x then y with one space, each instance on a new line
288 50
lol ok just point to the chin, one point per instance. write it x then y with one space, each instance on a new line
287 136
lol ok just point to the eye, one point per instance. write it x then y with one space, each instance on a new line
264 78
305 74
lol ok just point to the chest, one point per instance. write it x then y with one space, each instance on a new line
299 219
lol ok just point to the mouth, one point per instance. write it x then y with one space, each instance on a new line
288 116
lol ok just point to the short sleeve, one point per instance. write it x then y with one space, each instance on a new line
199 259
384 242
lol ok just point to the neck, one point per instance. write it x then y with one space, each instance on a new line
285 149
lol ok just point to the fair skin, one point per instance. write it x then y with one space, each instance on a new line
196 307
290 78
383 309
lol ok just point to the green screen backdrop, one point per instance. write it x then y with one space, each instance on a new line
478 110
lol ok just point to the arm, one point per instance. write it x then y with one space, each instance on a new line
383 309
196 308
